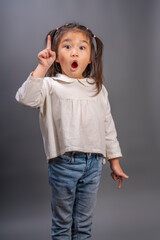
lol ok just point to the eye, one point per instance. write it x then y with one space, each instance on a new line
82 47
67 46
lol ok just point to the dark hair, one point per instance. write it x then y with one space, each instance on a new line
95 68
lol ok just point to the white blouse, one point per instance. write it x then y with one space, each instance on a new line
71 119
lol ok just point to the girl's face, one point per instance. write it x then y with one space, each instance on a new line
74 53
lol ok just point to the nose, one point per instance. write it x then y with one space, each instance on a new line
74 52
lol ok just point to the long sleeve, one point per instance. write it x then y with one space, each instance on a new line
112 145
32 92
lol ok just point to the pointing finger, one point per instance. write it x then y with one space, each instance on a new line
124 175
49 42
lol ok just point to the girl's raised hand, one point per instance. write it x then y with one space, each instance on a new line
47 57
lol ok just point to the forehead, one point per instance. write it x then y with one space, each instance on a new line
74 35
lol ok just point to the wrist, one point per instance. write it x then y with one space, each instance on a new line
40 71
114 161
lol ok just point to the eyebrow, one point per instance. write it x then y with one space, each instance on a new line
69 40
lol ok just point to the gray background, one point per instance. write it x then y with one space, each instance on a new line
130 31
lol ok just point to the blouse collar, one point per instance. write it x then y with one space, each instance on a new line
65 78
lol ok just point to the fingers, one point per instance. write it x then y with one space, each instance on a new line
43 54
49 42
114 176
124 175
46 54
120 182
52 54
47 57
119 177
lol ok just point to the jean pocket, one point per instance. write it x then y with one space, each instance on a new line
64 158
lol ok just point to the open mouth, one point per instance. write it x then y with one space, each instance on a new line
74 65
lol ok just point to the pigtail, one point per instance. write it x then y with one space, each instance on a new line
97 73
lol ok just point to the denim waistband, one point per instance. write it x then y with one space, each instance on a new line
79 154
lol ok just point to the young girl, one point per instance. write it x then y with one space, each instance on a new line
76 124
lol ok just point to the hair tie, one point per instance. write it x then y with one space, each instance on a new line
94 36
57 29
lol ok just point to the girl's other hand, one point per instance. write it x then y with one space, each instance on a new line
117 172
47 57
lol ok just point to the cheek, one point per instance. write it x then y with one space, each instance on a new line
62 61
87 60
87 57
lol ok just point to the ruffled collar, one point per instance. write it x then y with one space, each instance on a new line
64 78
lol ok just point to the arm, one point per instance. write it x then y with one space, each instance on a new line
32 92
113 149
112 145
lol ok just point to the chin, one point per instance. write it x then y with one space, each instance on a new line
75 75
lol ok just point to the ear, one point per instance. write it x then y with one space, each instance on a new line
90 60
57 60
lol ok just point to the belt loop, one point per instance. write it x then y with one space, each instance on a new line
87 156
72 157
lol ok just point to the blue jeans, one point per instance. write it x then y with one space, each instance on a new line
74 178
